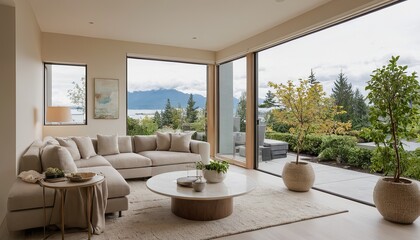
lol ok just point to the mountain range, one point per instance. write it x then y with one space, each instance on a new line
156 99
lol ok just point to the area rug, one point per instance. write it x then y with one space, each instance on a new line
150 216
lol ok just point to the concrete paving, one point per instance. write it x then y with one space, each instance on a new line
346 183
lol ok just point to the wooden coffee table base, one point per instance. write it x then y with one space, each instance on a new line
202 210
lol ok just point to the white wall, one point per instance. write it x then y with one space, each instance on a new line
29 78
21 90
7 104
106 59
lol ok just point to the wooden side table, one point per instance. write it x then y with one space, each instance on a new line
63 187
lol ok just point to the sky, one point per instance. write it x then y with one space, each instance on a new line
356 48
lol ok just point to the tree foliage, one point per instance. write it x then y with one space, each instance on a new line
191 111
396 100
77 94
301 107
167 115
145 126
342 92
269 100
241 112
312 78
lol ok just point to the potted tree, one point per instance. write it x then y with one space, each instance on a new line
395 100
300 108
215 171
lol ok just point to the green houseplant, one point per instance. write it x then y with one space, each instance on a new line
395 100
215 171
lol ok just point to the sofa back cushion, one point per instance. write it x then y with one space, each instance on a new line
107 144
71 147
85 147
144 143
125 144
163 141
57 157
180 142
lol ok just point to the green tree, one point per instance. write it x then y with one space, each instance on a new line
301 108
167 115
191 111
269 100
145 126
360 111
241 112
312 78
343 94
395 111
177 117
133 126
77 94
157 119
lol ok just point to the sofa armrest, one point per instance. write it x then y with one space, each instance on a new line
31 160
202 148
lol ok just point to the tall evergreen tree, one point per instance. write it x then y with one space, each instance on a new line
158 119
167 114
241 112
312 78
360 116
343 94
269 100
191 111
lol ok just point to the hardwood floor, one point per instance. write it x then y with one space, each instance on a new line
361 222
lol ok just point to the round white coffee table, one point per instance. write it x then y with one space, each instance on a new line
214 202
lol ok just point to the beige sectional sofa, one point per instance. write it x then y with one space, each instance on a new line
133 157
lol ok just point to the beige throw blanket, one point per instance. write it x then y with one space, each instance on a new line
75 208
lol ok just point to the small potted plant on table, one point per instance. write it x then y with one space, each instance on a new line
215 171
394 113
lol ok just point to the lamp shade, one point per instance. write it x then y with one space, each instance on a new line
59 114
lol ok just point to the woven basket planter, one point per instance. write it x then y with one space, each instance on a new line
298 177
397 202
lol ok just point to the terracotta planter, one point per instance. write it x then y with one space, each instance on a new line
213 176
298 177
397 202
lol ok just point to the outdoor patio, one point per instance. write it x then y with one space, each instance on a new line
346 183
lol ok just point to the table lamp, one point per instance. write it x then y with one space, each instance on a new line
59 114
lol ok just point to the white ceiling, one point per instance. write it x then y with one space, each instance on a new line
216 24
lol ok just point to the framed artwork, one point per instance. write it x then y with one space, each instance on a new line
106 99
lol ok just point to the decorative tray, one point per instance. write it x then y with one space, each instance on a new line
186 181
81 176
53 180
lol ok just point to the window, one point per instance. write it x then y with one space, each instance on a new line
166 96
65 94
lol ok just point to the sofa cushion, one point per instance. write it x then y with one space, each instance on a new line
163 141
166 157
117 186
71 146
57 157
85 147
94 161
23 195
125 144
128 160
180 142
144 143
107 144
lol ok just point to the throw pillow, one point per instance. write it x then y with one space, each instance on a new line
180 142
85 147
125 144
107 144
163 141
144 143
57 157
71 147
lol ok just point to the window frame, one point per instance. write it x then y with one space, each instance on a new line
45 94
